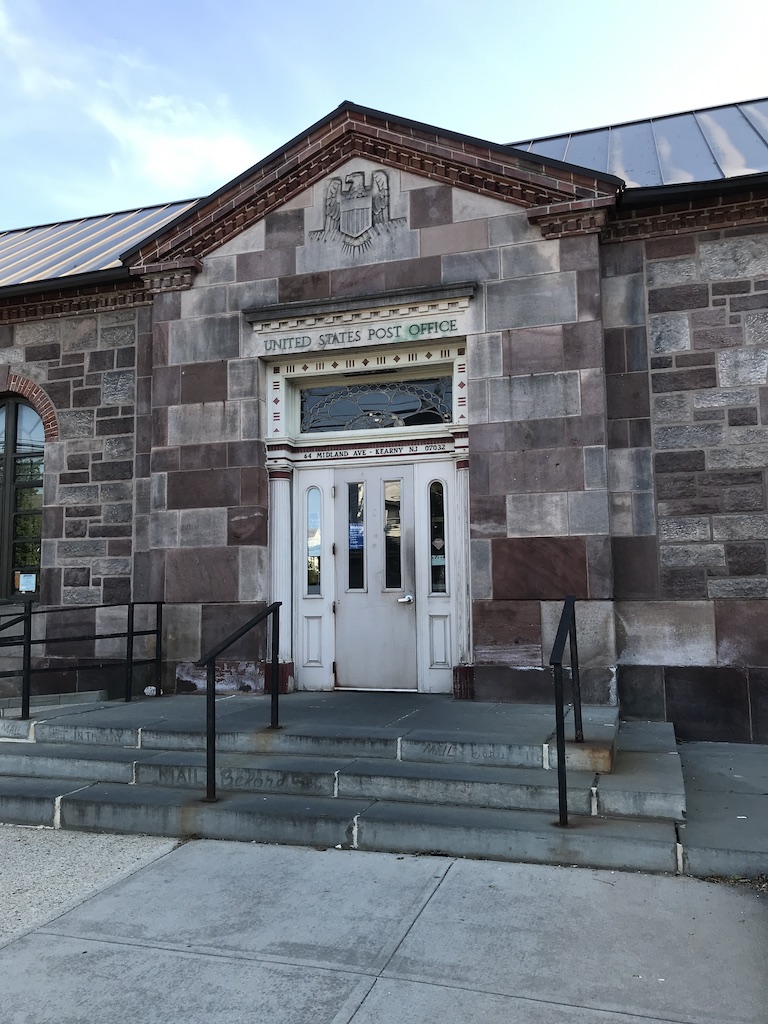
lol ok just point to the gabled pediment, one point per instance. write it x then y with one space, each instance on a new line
525 181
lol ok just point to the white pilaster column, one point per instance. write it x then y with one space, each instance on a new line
280 560
464 595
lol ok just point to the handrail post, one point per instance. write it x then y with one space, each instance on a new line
275 668
210 729
562 792
159 648
129 653
26 663
575 680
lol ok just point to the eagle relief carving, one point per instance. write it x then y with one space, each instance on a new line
357 213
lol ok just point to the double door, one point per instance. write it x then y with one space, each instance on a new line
374 575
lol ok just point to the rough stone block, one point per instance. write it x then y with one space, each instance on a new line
684 296
672 408
704 435
537 515
669 332
740 527
709 555
118 387
666 633
76 423
684 380
685 528
737 458
538 396
756 328
532 301
717 399
661 273
734 587
181 632
204 423
736 367
624 301
734 257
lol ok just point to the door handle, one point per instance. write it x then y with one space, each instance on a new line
408 599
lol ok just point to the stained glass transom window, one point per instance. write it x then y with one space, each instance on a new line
374 405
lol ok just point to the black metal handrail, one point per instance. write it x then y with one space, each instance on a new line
566 628
129 634
208 661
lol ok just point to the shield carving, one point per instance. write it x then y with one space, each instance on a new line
356 207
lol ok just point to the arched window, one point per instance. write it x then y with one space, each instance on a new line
21 497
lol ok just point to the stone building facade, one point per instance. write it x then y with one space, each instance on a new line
419 388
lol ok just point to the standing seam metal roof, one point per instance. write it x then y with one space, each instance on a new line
708 144
78 246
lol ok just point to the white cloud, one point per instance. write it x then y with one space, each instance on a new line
114 128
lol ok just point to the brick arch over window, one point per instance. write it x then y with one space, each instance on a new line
15 384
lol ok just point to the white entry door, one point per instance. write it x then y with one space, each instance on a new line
376 603
376 576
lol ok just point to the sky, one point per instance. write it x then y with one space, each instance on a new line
108 106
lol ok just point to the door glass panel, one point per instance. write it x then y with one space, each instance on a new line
314 526
356 535
393 573
437 538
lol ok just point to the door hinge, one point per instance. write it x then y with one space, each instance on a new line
333 548
333 492
333 608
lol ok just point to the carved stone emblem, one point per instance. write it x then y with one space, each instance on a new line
357 213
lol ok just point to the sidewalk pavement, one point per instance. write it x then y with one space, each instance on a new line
221 932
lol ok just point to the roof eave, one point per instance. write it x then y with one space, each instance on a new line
93 277
659 195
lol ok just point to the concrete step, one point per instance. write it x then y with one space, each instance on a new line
532 745
38 702
363 778
647 785
360 824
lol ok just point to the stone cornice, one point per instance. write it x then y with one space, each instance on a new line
682 218
168 276
582 217
69 302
